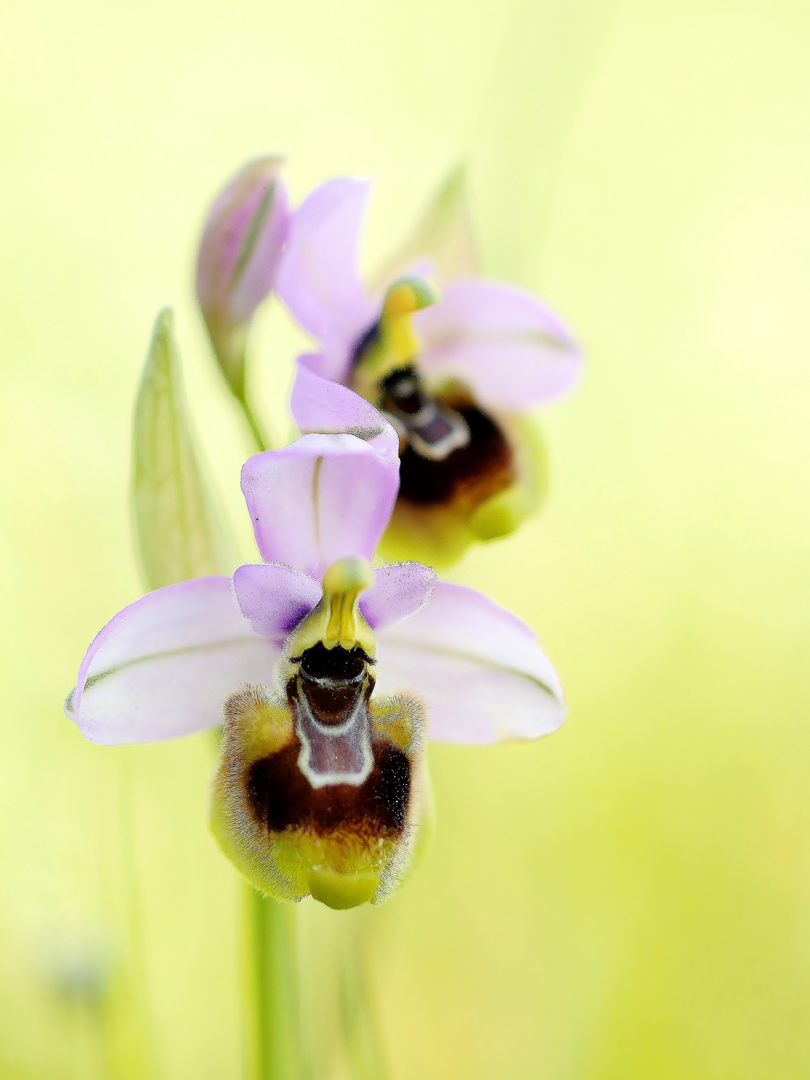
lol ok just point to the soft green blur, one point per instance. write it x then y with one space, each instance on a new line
627 899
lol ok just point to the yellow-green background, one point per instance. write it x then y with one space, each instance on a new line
628 899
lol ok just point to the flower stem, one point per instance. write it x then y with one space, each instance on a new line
256 430
364 1049
272 1001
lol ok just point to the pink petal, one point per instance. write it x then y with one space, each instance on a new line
275 598
322 498
509 348
318 276
164 665
479 670
321 405
398 591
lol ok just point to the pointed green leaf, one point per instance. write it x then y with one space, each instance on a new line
444 233
178 533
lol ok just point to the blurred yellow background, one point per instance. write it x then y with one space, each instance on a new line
628 899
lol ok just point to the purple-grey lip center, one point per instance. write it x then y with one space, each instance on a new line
433 429
329 697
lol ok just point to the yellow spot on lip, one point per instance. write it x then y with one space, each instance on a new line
342 891
501 514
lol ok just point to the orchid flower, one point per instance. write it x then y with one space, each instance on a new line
455 374
329 674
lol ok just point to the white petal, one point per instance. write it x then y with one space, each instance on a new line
512 350
478 669
164 665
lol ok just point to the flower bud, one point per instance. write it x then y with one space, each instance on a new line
240 249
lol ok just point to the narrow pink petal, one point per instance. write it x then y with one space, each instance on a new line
330 363
318 277
508 347
398 591
321 405
275 598
479 670
164 665
321 498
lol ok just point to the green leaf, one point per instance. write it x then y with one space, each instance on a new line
444 233
178 533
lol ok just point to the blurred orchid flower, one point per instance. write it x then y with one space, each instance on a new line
454 373
330 674
239 251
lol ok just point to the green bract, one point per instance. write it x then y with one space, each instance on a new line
178 534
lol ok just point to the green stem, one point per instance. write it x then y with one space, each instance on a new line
271 990
364 1048
256 430
135 1021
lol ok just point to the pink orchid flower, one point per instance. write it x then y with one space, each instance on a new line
456 374
328 674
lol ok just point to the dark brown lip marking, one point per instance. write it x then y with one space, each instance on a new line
484 465
280 797
332 688
472 472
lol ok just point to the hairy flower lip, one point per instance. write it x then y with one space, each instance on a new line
331 813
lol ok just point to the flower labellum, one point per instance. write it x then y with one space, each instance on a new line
330 674
319 792
454 370
240 249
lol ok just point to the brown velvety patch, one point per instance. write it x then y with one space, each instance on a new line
477 471
280 796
